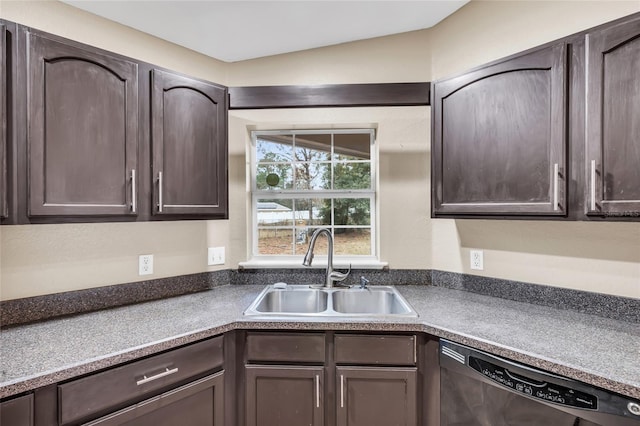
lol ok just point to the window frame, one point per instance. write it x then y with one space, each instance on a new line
305 194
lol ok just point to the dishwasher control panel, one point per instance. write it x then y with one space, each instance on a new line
550 392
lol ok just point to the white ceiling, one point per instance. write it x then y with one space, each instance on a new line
238 30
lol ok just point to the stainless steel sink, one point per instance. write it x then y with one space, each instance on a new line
301 300
373 301
293 300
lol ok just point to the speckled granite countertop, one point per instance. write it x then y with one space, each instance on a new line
599 351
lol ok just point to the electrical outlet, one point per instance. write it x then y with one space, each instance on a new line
215 256
477 259
145 264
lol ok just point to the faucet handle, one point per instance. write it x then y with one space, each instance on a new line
363 282
340 276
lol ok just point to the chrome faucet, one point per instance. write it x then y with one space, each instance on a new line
331 276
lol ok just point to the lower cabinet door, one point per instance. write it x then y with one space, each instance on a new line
284 395
199 403
376 396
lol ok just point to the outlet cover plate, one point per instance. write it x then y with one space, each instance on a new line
145 264
477 259
215 256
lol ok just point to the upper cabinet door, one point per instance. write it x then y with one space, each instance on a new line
3 123
498 141
613 120
189 146
82 131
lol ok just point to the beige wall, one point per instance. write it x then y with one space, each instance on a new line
483 31
401 135
66 21
599 257
397 58
42 259
589 256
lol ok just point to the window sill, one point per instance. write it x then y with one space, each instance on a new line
319 263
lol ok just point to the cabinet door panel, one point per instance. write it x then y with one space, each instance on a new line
287 395
82 131
200 403
376 396
499 138
613 123
189 145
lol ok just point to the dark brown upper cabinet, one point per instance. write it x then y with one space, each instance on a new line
82 121
498 138
613 120
3 123
189 146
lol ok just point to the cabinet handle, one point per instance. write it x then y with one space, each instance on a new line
593 185
160 192
555 186
341 391
166 372
317 391
133 191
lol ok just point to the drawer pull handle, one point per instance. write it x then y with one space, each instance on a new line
342 391
317 391
165 373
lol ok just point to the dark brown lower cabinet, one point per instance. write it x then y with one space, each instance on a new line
371 379
372 396
284 395
17 411
199 403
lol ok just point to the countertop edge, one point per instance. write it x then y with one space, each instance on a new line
31 383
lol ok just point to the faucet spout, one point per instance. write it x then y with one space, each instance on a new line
331 276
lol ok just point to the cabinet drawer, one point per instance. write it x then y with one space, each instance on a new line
198 403
17 411
91 395
285 347
375 349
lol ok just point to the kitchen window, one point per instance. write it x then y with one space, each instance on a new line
305 180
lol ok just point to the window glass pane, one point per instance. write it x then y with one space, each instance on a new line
352 241
275 176
352 211
313 147
275 213
313 168
274 148
309 212
313 176
352 176
275 241
349 146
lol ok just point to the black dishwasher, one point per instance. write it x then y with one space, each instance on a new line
479 389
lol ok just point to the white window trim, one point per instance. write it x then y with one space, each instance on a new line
295 261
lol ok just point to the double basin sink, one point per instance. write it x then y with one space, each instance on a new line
302 300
